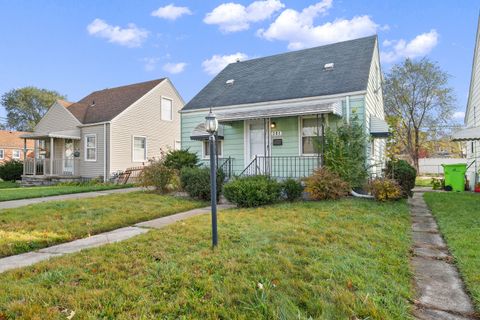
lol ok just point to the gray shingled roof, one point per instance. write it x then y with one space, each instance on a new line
291 75
109 102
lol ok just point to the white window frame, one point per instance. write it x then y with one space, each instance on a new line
2 152
85 138
19 154
161 108
133 149
300 132
205 145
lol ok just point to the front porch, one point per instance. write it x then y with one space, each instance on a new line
56 157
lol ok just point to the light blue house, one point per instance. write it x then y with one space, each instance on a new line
272 109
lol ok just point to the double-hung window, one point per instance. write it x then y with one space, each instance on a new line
167 109
16 154
139 149
310 132
90 147
206 149
2 154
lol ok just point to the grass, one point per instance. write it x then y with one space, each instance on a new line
423 181
458 216
37 192
8 184
36 226
346 259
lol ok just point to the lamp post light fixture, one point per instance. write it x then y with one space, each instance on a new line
211 126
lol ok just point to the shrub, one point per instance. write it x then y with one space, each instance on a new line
252 191
196 182
11 170
345 152
292 189
326 184
179 159
402 172
438 184
158 175
384 189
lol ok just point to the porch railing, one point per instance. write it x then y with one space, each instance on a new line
51 167
282 167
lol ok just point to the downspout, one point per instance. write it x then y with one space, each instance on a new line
347 107
104 152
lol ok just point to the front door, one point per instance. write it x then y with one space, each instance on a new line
68 158
258 145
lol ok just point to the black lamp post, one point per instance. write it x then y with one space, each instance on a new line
211 125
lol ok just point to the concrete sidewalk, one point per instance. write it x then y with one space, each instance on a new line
92 194
440 290
29 258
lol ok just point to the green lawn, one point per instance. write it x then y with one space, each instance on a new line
458 216
37 192
423 181
36 226
8 184
346 259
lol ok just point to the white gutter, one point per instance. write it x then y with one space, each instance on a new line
94 124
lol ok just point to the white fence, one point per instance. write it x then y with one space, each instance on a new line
433 166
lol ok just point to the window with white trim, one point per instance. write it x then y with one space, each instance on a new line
309 134
16 154
206 148
139 149
167 109
2 154
90 147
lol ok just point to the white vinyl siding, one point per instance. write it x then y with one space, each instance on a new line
161 135
93 169
139 150
167 109
90 147
58 118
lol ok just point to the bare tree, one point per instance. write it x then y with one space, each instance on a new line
417 99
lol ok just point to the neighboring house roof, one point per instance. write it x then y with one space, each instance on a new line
104 105
291 75
12 140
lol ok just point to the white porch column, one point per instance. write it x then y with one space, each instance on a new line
51 155
35 153
24 154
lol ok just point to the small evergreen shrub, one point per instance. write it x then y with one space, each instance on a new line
384 189
179 159
252 191
11 170
402 172
325 184
158 175
196 182
292 189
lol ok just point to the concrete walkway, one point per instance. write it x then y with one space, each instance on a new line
440 290
29 258
92 194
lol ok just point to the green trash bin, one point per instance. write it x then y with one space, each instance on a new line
455 176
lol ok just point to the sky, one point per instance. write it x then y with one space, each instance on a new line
76 47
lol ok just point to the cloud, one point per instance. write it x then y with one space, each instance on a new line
216 63
420 46
233 17
131 36
174 68
459 115
299 30
150 63
171 12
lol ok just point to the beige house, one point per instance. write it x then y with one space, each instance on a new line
106 132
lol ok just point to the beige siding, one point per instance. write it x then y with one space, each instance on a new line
57 119
143 119
374 106
473 112
92 169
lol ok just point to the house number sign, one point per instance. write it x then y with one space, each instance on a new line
276 133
